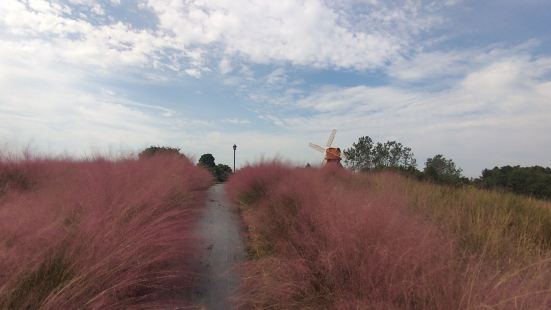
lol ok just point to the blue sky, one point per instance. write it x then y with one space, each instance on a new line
467 79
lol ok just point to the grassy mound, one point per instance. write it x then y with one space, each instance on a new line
98 233
331 239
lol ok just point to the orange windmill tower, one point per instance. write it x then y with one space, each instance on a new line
332 154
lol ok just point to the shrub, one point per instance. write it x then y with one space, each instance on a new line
207 161
221 172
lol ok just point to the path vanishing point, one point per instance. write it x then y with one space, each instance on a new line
220 229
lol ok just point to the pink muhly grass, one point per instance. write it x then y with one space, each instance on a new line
326 238
98 233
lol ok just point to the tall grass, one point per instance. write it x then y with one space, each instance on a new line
331 239
505 228
98 233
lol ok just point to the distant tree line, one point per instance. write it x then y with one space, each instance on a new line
366 155
534 181
220 171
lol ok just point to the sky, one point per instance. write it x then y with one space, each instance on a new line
467 79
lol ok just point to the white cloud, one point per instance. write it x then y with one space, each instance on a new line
497 114
432 65
453 64
307 32
494 100
358 98
277 76
196 73
236 121
45 29
225 66
60 108
93 5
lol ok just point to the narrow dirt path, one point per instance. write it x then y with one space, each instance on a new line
224 251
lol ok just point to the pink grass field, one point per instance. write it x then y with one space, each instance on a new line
330 239
98 234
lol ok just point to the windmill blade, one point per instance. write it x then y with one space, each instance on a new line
331 137
317 147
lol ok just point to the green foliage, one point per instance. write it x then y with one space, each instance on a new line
442 170
221 171
158 150
366 155
533 181
207 161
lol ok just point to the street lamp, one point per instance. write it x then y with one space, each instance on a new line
234 148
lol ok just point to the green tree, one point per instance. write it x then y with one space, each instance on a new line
443 170
533 181
222 172
207 161
366 155
360 155
159 150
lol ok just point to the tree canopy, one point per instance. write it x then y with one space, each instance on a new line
366 155
534 181
159 150
443 170
220 171
207 161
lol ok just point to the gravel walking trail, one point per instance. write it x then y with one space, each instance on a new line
220 228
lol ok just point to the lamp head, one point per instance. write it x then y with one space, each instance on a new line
234 147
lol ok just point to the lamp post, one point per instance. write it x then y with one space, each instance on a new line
234 148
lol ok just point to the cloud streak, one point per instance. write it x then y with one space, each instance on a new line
274 74
500 109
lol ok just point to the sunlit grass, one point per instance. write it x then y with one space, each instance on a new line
332 239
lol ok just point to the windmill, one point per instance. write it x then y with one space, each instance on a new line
332 154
